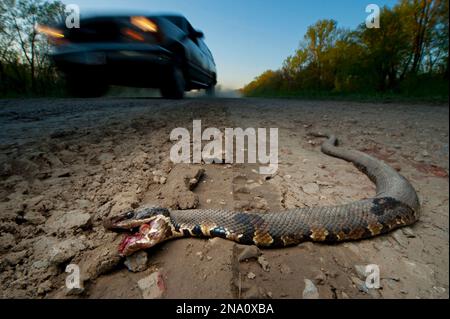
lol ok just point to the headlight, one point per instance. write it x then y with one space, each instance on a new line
49 31
133 34
144 24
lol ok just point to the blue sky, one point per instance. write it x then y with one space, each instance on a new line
247 37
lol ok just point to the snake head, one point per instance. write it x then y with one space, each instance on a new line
149 226
132 220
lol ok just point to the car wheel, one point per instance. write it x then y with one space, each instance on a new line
175 84
85 86
211 91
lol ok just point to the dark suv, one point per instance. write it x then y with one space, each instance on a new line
154 51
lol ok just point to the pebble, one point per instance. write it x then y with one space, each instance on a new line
311 188
192 183
68 220
200 255
264 263
323 183
361 285
249 252
75 291
137 262
440 290
62 173
65 250
44 287
6 241
152 287
194 179
361 271
158 173
15 257
34 218
419 158
254 292
242 190
408 232
40 264
320 278
310 291
251 275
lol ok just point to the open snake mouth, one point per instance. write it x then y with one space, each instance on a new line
148 235
132 220
127 242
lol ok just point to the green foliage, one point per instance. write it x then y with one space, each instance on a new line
24 65
407 56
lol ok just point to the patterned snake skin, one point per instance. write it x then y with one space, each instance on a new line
394 205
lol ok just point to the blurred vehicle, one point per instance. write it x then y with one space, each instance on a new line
158 51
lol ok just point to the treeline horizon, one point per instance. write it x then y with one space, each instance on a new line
407 56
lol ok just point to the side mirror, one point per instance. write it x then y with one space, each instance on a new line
198 34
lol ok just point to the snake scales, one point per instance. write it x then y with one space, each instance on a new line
395 204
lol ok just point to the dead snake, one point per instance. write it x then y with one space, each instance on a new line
395 205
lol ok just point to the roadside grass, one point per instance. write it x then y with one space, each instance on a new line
423 89
352 97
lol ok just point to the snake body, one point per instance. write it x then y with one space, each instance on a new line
395 204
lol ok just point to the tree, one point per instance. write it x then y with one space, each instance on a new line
23 44
293 66
441 36
352 69
420 18
269 81
387 48
318 40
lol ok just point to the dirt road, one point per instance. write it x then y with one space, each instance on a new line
66 165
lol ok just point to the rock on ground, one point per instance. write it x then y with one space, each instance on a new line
310 291
137 262
153 286
65 250
249 252
64 221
